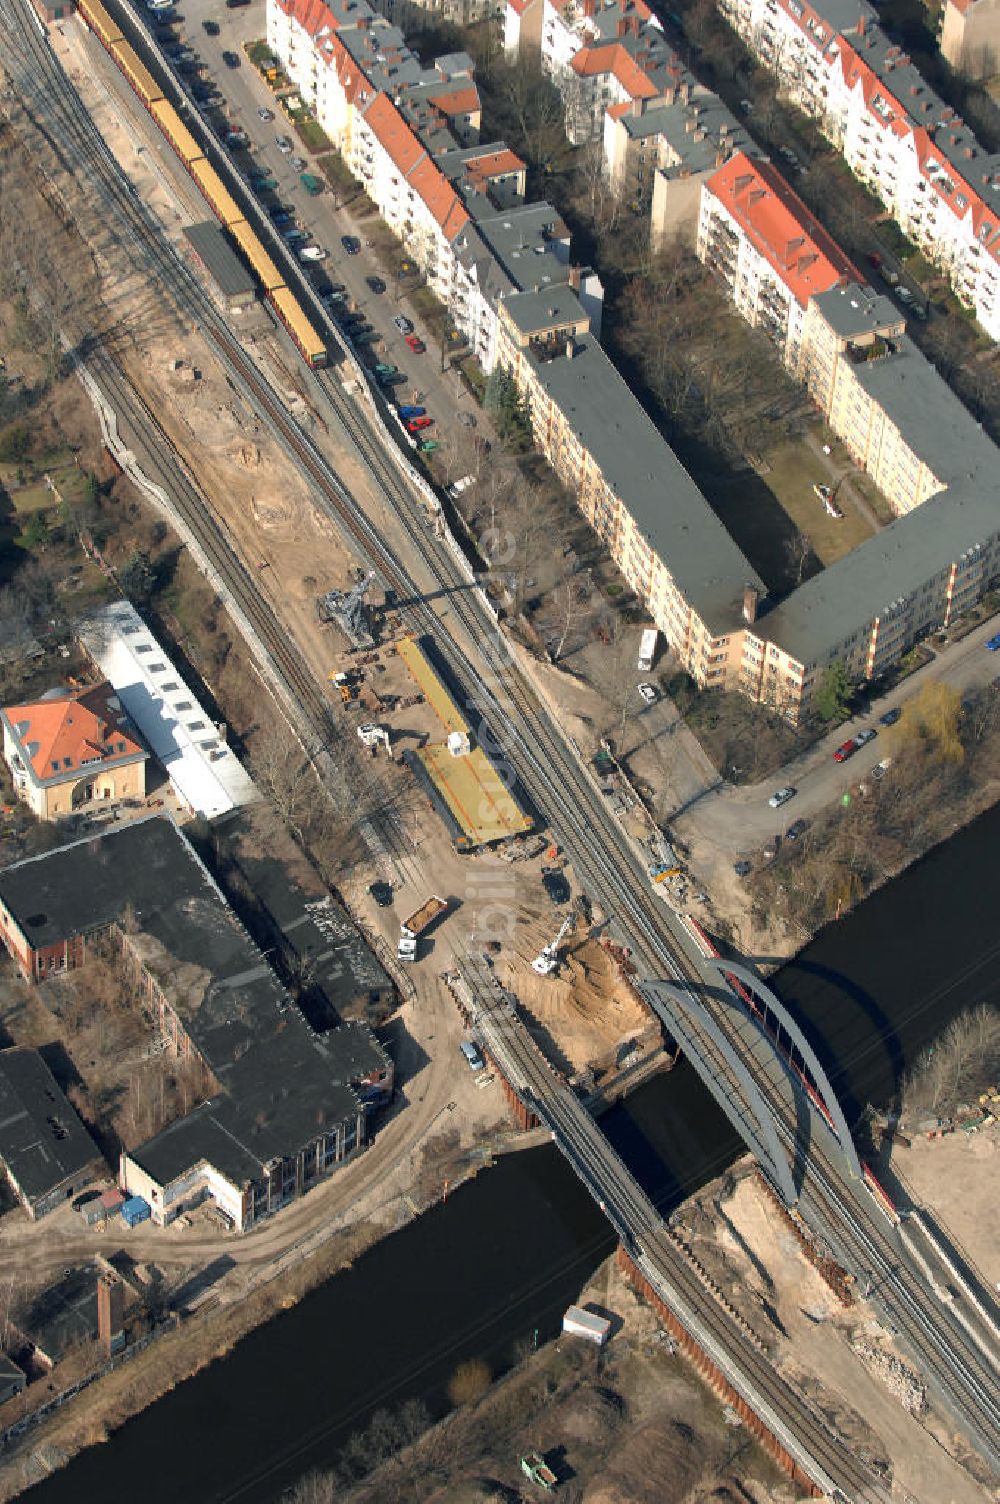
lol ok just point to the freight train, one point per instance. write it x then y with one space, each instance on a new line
284 302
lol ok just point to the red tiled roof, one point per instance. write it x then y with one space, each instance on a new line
392 131
463 101
612 57
439 196
494 164
780 227
76 730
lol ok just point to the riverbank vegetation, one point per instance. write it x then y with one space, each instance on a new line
954 1071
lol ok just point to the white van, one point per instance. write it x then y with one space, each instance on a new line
473 1055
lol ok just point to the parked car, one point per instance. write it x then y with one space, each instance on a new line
780 797
351 244
231 59
416 344
264 113
283 144
293 236
403 324
648 693
796 829
881 768
864 737
376 285
382 893
891 716
210 28
473 1055
993 644
416 424
555 885
845 750
771 849
297 163
743 868
312 253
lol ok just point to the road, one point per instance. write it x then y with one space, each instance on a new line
610 868
245 92
734 820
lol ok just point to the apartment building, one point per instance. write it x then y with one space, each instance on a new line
410 134
898 137
761 239
970 37
631 487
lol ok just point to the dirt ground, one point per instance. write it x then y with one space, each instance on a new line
834 1354
588 1017
953 1177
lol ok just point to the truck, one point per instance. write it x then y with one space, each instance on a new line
418 924
311 183
534 1466
647 649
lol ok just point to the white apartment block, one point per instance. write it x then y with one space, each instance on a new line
409 134
896 135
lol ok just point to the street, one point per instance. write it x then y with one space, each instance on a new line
443 393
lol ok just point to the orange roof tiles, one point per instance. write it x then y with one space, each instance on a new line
612 57
393 133
462 102
494 164
439 196
781 227
60 737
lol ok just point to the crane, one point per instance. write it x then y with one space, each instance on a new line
346 608
546 963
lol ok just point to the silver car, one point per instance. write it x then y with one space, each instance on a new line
780 797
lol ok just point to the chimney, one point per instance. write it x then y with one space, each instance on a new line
622 26
751 599
570 348
861 26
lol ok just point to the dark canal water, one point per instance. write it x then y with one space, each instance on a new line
507 1252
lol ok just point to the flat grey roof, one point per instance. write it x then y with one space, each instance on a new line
680 123
223 264
934 423
530 242
282 1085
818 618
42 1141
640 467
534 311
853 311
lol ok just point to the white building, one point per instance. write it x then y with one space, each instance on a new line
895 133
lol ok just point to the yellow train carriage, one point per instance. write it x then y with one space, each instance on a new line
100 23
214 191
260 262
138 75
298 326
176 131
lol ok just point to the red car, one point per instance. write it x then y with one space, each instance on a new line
416 344
416 424
845 750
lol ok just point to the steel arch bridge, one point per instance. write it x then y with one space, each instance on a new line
745 994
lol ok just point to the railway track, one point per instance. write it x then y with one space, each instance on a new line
551 773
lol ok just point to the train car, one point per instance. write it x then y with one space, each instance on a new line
214 191
100 23
137 73
286 307
176 131
260 262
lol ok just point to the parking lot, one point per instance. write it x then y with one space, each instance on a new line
367 305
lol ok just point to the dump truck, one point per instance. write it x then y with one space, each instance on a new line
418 924
311 183
534 1466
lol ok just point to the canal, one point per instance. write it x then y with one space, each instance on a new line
500 1260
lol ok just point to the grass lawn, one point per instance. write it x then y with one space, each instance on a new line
34 498
794 470
312 135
